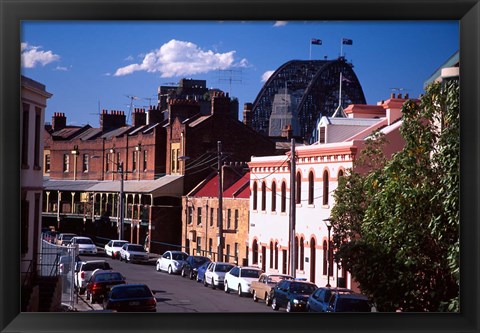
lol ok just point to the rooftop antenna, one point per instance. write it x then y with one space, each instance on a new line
231 76
149 99
132 98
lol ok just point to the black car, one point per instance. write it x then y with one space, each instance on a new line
319 300
349 302
190 268
292 295
130 298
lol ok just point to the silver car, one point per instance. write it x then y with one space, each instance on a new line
172 262
133 253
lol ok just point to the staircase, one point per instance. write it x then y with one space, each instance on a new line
47 293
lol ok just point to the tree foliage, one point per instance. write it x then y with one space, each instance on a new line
396 228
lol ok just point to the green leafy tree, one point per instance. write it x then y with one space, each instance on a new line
396 227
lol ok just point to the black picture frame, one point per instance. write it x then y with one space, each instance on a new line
14 12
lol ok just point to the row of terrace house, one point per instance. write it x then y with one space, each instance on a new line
318 169
166 152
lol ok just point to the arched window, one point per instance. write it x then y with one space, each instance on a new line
283 205
264 196
298 188
276 255
340 174
325 187
274 196
297 252
302 254
255 252
325 263
271 254
255 195
311 192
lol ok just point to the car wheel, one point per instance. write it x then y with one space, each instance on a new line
158 267
213 284
191 276
268 301
289 307
183 273
170 270
240 293
226 287
274 304
205 283
255 298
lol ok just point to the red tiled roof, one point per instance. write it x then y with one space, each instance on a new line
240 189
210 189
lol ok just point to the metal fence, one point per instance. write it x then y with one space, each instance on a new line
56 260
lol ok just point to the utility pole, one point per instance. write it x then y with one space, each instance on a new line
220 202
120 169
292 249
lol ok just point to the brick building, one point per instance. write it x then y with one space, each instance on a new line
200 216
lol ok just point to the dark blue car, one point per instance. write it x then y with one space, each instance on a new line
192 264
201 271
318 301
292 295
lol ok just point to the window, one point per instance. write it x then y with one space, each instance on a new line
302 254
199 245
264 196
144 160
283 204
36 157
107 162
228 253
211 217
190 213
276 255
229 218
271 254
199 215
236 220
325 187
25 130
255 252
86 158
47 163
118 162
298 188
236 251
311 190
66 162
297 252
210 246
255 194
134 161
274 196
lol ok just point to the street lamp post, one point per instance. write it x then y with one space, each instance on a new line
328 223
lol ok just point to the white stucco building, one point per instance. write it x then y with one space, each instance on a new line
318 168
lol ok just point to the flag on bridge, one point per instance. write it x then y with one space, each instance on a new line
346 41
316 41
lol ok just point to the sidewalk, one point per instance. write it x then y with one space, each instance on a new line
83 305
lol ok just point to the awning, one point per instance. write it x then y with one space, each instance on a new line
168 185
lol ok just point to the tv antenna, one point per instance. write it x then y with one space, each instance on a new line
231 76
132 98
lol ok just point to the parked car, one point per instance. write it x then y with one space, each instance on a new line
201 271
133 253
240 278
100 283
64 238
85 271
292 295
192 263
318 301
349 302
171 262
262 288
215 274
113 247
65 263
85 245
130 298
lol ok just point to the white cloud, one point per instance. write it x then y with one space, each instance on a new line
60 68
267 75
33 56
129 58
178 58
280 24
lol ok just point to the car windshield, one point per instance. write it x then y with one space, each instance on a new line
352 305
302 288
91 266
223 268
277 278
131 292
137 248
199 260
84 241
251 273
108 277
67 237
118 244
179 256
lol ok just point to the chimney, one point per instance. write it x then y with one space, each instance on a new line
139 117
247 114
287 132
59 121
112 120
220 104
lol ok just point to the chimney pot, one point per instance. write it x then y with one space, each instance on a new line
399 96
392 95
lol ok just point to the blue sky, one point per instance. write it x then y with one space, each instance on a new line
90 64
